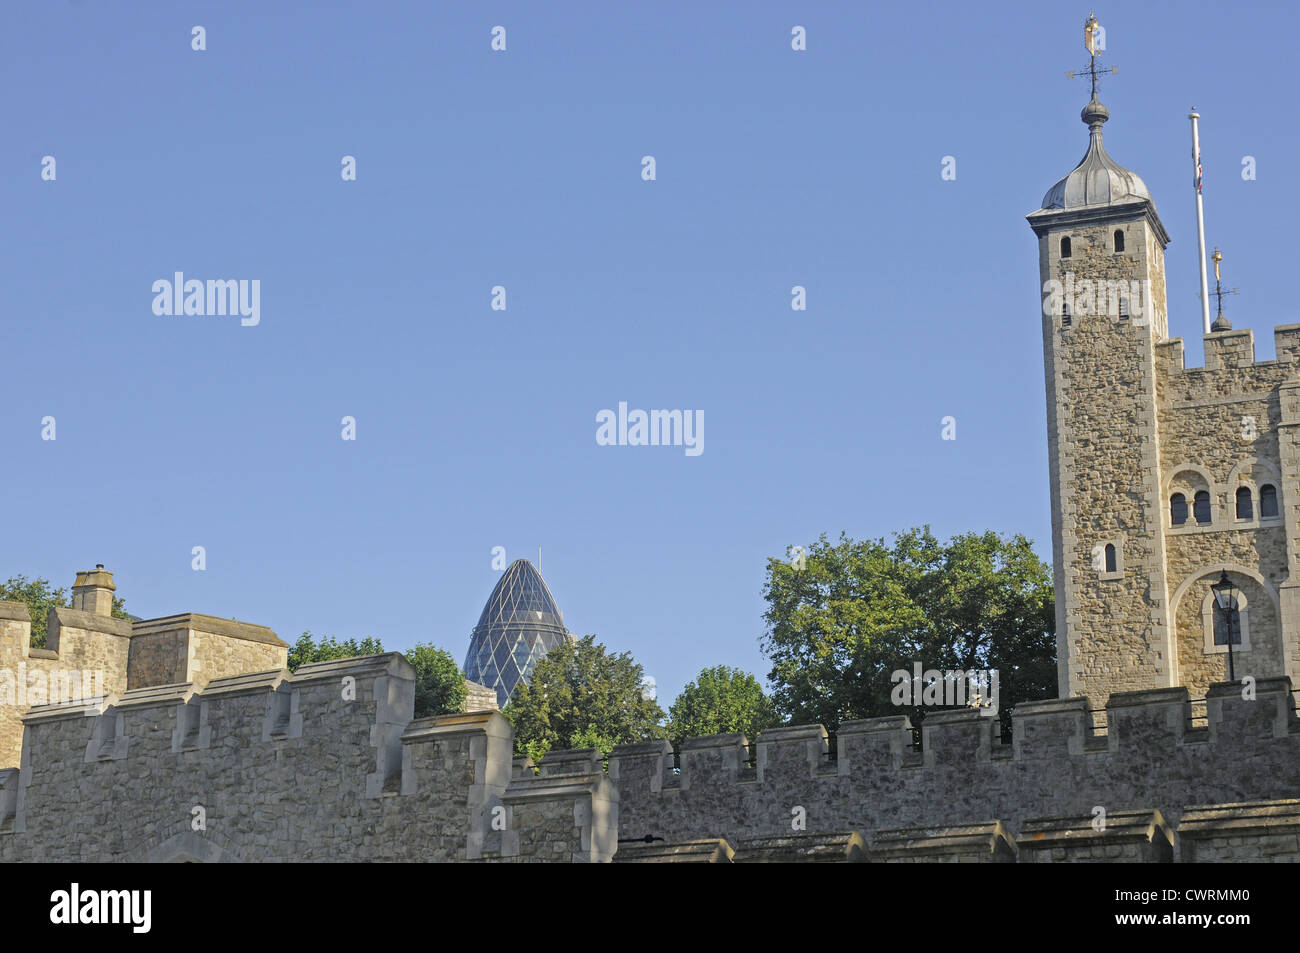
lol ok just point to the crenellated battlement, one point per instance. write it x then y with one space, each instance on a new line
326 763
89 653
1151 755
1230 368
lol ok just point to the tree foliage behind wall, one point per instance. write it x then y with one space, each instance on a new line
439 682
582 696
720 700
844 616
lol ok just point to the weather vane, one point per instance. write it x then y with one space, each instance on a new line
1220 323
1094 41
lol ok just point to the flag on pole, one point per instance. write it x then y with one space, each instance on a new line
1198 167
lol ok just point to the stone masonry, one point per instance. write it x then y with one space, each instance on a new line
328 764
1133 432
86 648
196 744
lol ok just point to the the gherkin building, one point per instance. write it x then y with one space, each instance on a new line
519 624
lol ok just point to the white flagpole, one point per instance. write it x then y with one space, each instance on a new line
1200 219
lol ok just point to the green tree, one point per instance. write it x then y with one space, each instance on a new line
990 604
720 700
41 598
842 617
439 682
306 649
581 696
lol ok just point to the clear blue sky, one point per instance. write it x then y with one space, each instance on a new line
476 428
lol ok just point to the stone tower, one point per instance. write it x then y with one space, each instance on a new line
1164 480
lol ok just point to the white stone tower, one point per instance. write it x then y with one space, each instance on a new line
1164 480
1101 241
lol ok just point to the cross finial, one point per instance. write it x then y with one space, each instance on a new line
1094 41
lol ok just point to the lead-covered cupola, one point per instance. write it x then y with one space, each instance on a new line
1098 190
1097 179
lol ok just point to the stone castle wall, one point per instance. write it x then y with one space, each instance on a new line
1221 428
1151 758
323 765
77 642
328 765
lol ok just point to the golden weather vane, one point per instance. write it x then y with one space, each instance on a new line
1094 41
1220 323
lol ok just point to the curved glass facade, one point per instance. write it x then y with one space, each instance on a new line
519 624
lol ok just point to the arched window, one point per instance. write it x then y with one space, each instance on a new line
1067 316
1201 506
1065 247
1267 501
1110 557
1178 509
1227 624
1245 508
1119 240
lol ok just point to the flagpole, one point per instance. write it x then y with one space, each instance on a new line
1200 219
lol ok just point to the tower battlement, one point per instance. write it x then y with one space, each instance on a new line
1227 355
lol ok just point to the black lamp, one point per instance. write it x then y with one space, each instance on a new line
1225 600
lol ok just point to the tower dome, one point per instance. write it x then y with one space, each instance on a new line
1097 179
520 623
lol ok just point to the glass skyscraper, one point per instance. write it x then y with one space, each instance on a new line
519 624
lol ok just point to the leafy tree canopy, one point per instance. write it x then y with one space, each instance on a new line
721 700
306 649
439 682
581 696
842 617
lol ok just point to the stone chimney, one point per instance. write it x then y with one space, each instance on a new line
93 591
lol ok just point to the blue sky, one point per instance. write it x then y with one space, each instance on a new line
476 428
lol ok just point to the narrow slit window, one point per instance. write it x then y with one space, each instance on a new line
1110 557
1065 247
1119 240
1067 316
